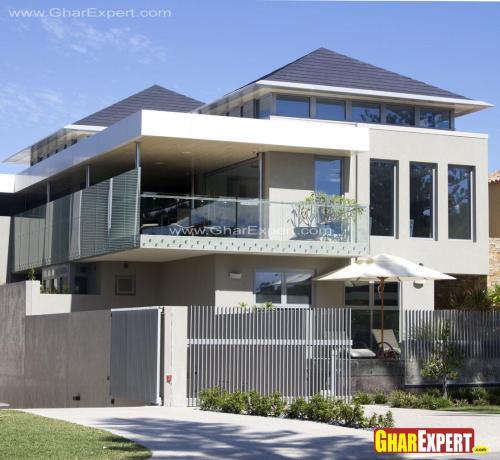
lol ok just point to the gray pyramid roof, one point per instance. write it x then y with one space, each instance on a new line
153 98
326 67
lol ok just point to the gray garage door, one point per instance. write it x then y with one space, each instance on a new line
135 354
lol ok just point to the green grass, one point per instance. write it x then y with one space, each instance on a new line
479 409
27 436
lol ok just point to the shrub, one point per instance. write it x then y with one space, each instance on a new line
320 409
400 398
211 399
351 415
479 394
379 397
233 403
494 394
278 405
432 402
297 409
362 398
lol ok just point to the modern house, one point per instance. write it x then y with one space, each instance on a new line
161 199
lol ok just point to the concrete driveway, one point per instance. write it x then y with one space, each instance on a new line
188 433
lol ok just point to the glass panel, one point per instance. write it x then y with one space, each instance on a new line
240 181
360 328
365 112
328 109
328 176
459 202
391 294
400 115
357 295
289 106
435 118
421 200
391 322
268 287
382 197
298 288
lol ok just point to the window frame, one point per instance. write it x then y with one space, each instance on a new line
342 171
328 100
434 201
356 102
421 109
283 272
291 97
400 106
395 164
472 199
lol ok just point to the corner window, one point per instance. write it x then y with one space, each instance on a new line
328 176
291 106
382 197
460 216
422 177
329 109
291 287
400 115
435 118
365 112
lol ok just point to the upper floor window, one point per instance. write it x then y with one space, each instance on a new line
422 177
382 197
365 112
435 118
330 109
460 202
292 106
291 287
328 176
400 115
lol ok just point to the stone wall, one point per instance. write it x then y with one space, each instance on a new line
494 275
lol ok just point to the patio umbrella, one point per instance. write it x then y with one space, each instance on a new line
383 268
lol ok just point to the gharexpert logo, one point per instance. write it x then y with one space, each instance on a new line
424 440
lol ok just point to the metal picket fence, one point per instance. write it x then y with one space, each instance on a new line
294 351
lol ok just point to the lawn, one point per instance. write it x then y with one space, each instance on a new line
27 436
478 409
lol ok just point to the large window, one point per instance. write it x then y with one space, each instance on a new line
460 202
422 177
365 112
328 176
400 115
364 299
329 109
435 118
382 197
291 287
291 106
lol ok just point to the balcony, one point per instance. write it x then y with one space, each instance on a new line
252 226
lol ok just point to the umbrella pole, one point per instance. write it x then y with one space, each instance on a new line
382 288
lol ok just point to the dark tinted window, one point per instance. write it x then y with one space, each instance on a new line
328 176
328 109
400 115
459 202
289 106
421 200
382 175
365 112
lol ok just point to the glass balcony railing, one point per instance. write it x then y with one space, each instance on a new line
252 218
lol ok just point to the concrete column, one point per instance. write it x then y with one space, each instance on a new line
174 378
137 155
87 176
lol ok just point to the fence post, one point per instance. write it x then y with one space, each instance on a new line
174 376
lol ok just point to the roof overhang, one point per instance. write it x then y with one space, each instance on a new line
24 155
168 135
459 105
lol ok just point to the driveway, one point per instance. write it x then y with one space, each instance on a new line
188 433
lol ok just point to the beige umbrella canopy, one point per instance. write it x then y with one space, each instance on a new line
383 267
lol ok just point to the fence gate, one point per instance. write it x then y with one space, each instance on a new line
135 354
294 351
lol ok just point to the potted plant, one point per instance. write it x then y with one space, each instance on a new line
304 219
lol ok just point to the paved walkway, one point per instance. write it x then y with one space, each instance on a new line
188 433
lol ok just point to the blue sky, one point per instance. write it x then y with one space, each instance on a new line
55 70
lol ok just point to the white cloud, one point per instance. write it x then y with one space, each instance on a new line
80 37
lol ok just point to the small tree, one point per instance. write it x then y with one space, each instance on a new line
445 360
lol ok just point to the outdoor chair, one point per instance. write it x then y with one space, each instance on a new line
361 350
389 348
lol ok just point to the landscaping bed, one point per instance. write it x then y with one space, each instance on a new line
477 399
30 436
317 409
